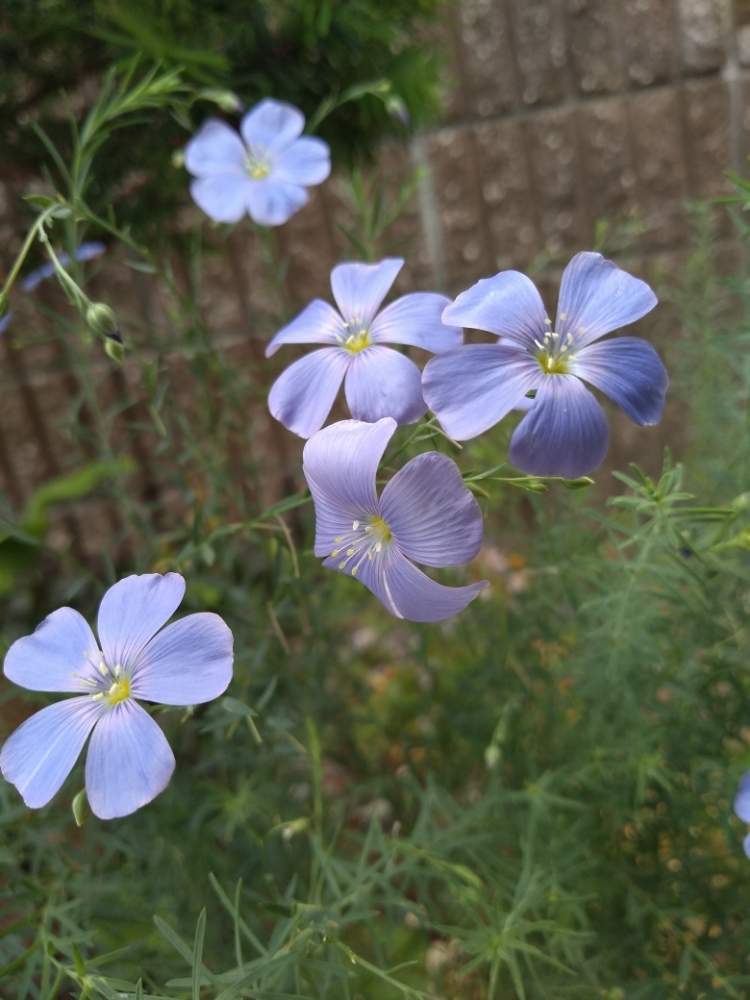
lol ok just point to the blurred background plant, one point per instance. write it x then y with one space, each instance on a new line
530 801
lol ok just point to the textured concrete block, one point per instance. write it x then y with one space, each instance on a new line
465 240
540 50
660 161
709 145
651 45
607 166
702 27
554 163
506 179
591 31
486 57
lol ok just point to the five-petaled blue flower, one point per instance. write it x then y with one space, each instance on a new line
742 807
565 430
129 761
380 382
425 514
264 173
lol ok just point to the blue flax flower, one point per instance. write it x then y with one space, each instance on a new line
264 173
564 432
742 807
129 761
425 514
380 382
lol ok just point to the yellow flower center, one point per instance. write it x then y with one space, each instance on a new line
357 341
364 541
118 691
380 529
119 684
258 169
551 364
553 353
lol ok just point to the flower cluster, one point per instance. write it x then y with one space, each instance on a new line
424 515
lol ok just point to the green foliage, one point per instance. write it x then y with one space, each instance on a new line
356 68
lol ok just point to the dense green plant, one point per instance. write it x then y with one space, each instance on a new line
362 57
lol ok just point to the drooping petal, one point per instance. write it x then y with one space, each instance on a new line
742 799
133 610
128 763
596 297
188 662
382 382
318 323
271 125
61 654
40 754
360 288
415 320
406 591
340 464
307 161
272 202
302 396
223 197
475 386
5 322
433 517
508 305
215 149
563 434
631 373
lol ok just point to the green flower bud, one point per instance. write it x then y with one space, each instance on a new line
102 321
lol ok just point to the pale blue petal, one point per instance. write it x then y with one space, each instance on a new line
508 305
359 289
271 126
340 464
5 322
188 662
34 278
415 320
302 396
563 434
631 373
223 197
133 611
472 388
61 654
86 251
40 754
434 519
272 202
318 323
129 761
742 799
406 592
307 161
382 382
596 297
90 250
746 845
216 149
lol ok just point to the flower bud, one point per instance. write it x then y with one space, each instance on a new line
101 320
